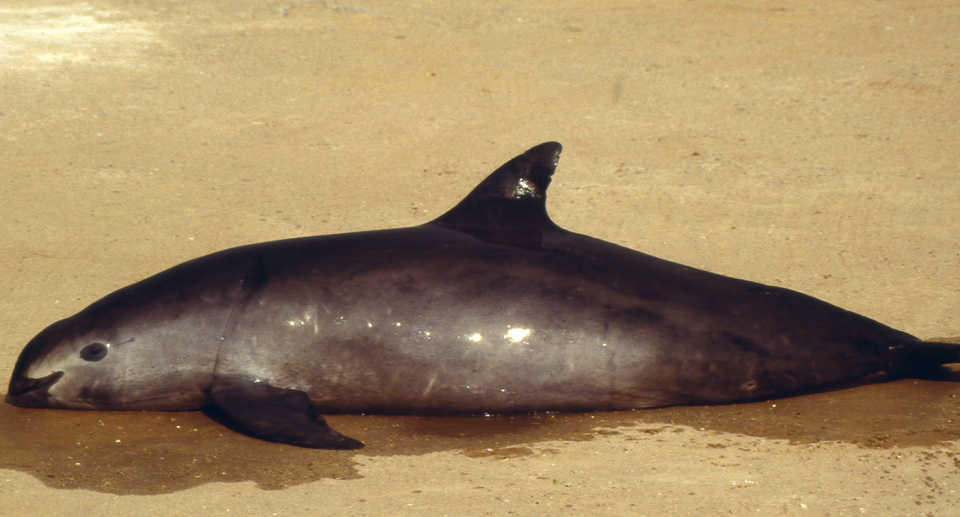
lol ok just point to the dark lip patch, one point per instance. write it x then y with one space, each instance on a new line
27 392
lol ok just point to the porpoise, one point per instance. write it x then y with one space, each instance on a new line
490 308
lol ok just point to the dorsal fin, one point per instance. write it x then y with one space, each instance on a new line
509 206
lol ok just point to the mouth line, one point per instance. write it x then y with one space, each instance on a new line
26 385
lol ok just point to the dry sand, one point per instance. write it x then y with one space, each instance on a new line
806 144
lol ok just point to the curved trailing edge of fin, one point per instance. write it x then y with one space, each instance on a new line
509 206
274 414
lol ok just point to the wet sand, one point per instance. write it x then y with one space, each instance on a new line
797 144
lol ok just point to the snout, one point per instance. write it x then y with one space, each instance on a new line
27 392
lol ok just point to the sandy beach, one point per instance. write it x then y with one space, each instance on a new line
801 144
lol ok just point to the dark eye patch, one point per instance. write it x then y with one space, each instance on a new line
94 352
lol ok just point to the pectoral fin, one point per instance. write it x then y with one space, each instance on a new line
276 415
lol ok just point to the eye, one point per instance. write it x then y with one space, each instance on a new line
94 352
